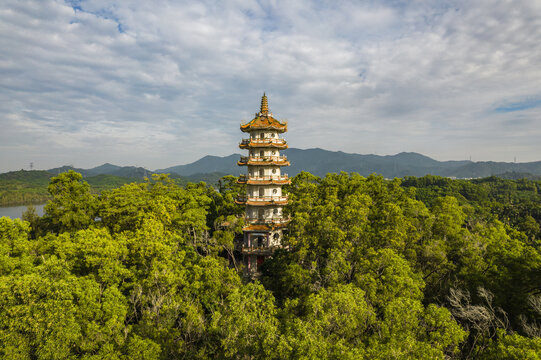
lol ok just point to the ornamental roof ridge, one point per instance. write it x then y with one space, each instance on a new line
264 120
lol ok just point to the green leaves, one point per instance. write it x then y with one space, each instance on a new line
151 271
15 246
73 207
246 326
50 317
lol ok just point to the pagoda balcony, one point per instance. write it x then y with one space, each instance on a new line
258 250
272 143
262 200
264 160
273 220
264 180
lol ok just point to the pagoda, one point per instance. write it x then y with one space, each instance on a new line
264 200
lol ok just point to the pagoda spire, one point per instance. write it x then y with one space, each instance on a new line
264 104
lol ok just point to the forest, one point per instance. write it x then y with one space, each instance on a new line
413 268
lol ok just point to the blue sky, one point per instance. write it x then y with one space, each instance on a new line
163 83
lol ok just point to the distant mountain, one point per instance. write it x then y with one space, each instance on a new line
27 187
111 174
84 172
30 187
131 172
490 168
107 169
32 176
208 178
320 162
205 165
518 175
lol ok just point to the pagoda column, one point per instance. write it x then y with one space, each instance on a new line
264 179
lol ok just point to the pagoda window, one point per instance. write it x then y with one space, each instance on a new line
261 172
261 153
272 135
275 211
274 191
261 192
261 213
274 171
262 135
273 152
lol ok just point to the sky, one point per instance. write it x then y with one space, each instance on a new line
163 83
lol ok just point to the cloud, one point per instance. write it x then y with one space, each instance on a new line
164 83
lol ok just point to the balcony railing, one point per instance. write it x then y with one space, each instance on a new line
282 177
258 250
263 198
245 159
273 220
262 141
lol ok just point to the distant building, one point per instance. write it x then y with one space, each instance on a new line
265 221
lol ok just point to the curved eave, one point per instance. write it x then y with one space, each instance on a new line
260 145
263 227
268 182
277 163
263 182
262 203
248 128
269 223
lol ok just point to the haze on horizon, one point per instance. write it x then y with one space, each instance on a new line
157 84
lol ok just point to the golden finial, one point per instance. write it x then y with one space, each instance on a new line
264 104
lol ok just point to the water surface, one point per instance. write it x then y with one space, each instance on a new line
17 211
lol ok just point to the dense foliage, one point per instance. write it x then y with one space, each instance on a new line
374 269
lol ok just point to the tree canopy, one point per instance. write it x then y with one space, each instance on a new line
426 268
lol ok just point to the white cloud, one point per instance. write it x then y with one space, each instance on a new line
163 83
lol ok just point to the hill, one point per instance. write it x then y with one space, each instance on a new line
106 169
320 162
24 187
30 187
205 165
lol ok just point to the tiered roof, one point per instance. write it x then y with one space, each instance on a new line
264 161
264 120
251 201
263 143
284 180
264 227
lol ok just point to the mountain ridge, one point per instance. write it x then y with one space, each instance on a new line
320 162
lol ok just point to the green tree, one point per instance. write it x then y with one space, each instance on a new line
72 207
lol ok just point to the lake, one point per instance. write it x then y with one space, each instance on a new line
17 211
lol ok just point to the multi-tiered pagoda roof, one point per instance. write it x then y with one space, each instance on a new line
263 120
